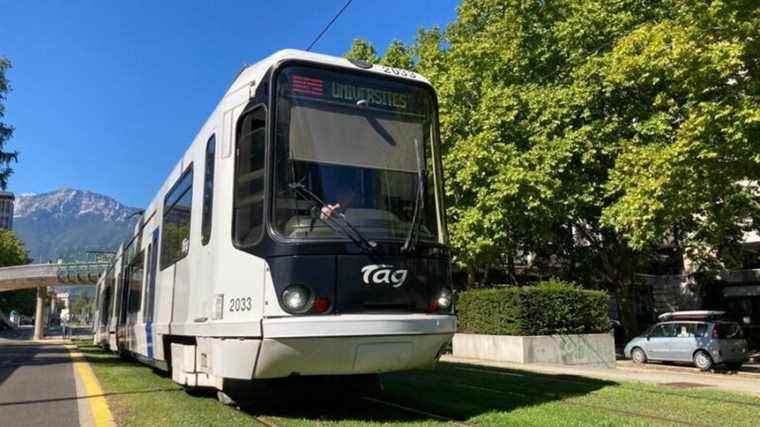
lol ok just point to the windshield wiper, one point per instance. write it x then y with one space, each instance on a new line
344 226
419 203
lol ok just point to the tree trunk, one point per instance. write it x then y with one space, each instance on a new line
472 277
628 302
511 271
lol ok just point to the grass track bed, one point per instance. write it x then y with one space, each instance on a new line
463 394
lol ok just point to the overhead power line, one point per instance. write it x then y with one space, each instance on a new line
327 27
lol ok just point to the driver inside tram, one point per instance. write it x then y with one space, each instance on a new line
343 193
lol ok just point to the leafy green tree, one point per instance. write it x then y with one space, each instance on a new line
83 308
362 49
23 301
523 168
398 55
588 132
690 162
12 252
6 131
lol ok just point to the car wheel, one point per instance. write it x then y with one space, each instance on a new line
638 356
702 360
734 366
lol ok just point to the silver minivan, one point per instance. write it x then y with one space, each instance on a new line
705 343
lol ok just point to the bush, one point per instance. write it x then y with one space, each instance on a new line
548 308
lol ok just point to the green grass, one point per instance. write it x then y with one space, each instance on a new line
467 394
137 396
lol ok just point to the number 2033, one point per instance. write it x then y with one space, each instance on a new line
241 304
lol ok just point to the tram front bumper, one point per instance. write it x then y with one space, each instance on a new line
351 344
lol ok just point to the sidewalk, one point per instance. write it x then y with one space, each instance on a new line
47 383
37 384
749 371
733 383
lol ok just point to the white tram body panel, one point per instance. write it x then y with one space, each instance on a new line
195 301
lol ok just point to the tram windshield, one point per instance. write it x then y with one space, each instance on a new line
357 147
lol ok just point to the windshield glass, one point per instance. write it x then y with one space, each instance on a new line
350 140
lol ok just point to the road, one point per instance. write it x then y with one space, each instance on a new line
37 382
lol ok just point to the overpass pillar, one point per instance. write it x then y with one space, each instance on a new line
39 317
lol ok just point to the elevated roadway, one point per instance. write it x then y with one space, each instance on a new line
36 275
41 276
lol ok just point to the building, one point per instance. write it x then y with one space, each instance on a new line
735 291
6 209
61 301
66 300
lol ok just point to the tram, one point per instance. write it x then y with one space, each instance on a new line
302 233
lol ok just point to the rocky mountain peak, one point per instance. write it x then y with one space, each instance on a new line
69 203
67 222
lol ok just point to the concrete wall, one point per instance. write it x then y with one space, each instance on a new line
503 348
594 350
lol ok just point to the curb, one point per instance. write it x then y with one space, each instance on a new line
649 367
98 411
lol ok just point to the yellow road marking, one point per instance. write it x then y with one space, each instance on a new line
101 415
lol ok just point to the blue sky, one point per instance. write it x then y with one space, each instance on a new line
107 95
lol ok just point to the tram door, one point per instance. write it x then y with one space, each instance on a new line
121 325
150 291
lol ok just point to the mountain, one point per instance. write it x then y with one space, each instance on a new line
66 223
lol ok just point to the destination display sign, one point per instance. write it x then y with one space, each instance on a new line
349 93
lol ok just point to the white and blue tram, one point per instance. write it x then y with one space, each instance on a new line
302 233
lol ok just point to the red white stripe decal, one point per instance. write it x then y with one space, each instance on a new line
308 85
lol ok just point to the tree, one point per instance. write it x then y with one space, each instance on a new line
362 50
590 132
12 252
398 55
6 157
691 162
83 308
524 161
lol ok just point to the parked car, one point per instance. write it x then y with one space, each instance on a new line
706 343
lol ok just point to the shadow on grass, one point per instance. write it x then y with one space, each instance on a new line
462 392
451 392
358 410
315 403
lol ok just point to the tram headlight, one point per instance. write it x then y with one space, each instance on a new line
297 298
444 298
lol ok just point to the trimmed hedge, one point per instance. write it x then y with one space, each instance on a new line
548 308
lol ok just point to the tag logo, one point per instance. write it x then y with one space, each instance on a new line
378 274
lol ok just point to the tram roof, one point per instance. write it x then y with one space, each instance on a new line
255 72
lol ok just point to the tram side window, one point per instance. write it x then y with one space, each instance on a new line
107 298
208 190
175 233
249 178
135 282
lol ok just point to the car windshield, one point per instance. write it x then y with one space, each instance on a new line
358 144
